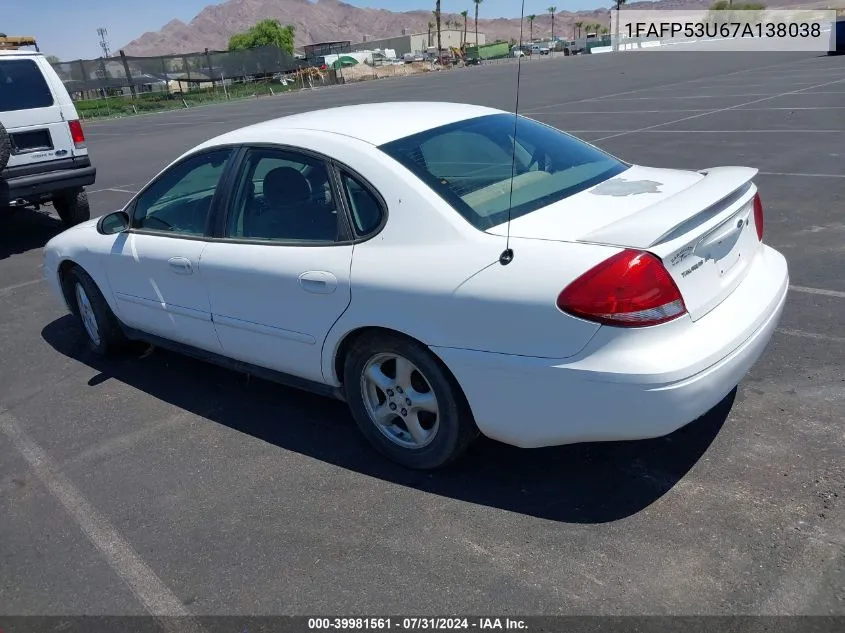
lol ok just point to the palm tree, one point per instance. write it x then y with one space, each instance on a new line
465 15
477 4
552 11
531 19
437 18
578 26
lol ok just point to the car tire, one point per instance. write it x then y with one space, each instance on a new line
390 414
73 208
5 147
99 324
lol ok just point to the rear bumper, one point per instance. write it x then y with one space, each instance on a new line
626 384
38 181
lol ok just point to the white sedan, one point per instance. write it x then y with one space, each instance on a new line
412 260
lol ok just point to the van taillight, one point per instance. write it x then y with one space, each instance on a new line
77 134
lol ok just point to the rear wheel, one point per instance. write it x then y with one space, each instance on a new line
406 403
72 207
100 325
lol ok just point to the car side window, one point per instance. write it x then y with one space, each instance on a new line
180 200
284 196
365 207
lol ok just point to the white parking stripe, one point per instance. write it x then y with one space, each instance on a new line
819 291
23 284
788 173
157 599
717 111
814 335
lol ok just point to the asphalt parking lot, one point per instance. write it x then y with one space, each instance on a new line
164 484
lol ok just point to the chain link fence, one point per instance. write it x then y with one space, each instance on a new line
125 85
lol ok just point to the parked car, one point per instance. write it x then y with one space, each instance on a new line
405 258
43 153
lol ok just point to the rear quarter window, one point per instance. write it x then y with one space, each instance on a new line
22 86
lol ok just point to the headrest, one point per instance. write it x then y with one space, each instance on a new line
286 186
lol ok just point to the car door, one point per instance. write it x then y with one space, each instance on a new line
279 277
154 268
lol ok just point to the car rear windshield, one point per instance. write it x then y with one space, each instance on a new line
22 86
475 166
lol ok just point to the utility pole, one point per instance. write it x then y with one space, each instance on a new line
104 42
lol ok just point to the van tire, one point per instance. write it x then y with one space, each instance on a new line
5 147
72 207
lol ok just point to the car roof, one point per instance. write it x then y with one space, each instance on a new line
374 123
14 52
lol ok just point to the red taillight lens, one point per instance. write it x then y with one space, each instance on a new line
77 134
758 216
630 289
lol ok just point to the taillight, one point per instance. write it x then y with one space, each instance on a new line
758 216
630 289
77 134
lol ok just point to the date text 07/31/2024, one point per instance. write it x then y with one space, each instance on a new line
415 623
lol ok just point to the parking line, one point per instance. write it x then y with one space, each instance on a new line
717 111
23 284
787 173
157 599
651 131
813 335
676 83
819 291
562 112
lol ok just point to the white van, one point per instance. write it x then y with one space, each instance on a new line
43 155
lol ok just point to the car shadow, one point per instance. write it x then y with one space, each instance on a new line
582 483
22 230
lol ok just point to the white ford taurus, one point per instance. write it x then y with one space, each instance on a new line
366 252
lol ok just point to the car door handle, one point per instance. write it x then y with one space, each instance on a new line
318 281
180 265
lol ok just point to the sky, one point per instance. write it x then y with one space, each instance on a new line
68 28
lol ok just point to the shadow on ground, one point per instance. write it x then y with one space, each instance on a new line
585 483
23 230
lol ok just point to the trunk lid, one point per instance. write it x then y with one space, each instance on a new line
700 224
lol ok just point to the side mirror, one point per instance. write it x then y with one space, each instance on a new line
112 223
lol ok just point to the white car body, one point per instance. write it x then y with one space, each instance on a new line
532 374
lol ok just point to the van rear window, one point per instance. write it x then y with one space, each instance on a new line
22 86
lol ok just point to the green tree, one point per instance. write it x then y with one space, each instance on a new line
52 59
552 11
578 26
268 32
465 15
477 5
531 19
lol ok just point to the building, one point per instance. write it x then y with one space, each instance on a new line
419 42
314 51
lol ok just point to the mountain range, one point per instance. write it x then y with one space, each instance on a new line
331 20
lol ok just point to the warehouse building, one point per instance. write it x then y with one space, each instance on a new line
419 42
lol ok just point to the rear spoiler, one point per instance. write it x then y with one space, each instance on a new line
668 218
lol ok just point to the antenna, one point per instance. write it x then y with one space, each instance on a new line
507 255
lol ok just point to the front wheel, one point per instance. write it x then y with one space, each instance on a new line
406 403
102 330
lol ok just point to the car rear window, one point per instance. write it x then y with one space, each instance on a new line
22 86
474 164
